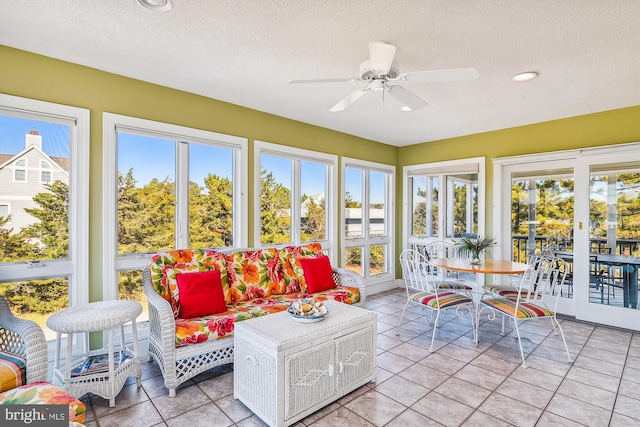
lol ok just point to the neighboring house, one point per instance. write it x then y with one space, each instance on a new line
24 175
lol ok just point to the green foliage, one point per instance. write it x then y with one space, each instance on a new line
51 230
38 296
275 210
473 247
313 225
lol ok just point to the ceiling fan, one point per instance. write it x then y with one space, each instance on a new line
381 69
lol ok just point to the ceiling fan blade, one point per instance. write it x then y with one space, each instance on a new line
350 99
410 102
452 75
346 79
381 55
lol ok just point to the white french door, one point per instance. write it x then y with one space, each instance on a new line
584 203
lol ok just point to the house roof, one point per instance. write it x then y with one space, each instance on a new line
245 52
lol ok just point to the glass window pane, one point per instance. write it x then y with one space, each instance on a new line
38 225
377 197
377 264
275 199
130 288
210 196
37 299
353 260
353 203
146 194
313 179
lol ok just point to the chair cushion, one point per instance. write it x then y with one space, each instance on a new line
454 285
13 371
508 291
443 300
44 393
201 294
525 310
318 274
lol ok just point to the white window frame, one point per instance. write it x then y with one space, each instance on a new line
114 263
442 169
8 205
297 155
24 168
76 266
365 241
46 168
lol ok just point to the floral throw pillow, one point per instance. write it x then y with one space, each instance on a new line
254 274
292 269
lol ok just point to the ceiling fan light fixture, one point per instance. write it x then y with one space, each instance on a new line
525 76
157 5
406 108
377 85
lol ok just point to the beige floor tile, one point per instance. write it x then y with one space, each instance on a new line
537 378
218 387
598 365
604 355
619 420
548 365
412 418
233 408
402 390
547 419
184 401
612 335
596 379
588 394
607 345
142 414
502 367
410 351
463 392
387 343
460 353
204 416
130 395
424 376
481 377
525 392
627 406
341 417
480 419
581 412
392 362
442 363
443 409
376 408
511 410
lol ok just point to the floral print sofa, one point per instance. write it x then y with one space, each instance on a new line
254 283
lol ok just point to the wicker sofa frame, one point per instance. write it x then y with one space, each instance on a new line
180 364
26 339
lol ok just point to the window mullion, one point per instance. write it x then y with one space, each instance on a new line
182 195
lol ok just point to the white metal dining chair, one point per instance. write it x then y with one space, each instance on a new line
446 280
422 289
536 298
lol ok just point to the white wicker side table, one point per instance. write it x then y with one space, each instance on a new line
285 370
96 316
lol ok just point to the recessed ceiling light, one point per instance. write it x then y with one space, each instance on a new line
406 108
157 5
526 76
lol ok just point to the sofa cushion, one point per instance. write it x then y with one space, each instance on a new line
254 274
13 372
200 294
292 269
165 266
318 274
44 393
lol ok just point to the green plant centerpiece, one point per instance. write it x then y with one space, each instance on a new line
473 247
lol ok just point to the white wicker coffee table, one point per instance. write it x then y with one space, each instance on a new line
106 379
285 370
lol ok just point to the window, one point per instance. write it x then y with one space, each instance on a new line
49 223
294 196
20 170
170 187
45 173
443 200
368 218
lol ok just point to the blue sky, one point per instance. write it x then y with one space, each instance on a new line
155 158
55 137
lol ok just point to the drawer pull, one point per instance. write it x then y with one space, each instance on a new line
251 359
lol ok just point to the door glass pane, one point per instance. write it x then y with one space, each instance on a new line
146 194
353 203
313 182
424 196
541 212
377 196
275 199
210 196
614 228
35 223
377 264
37 299
130 288
353 259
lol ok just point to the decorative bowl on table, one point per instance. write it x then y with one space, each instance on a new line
307 310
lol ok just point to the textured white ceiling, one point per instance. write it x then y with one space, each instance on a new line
245 51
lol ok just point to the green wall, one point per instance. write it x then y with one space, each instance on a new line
34 76
604 128
38 77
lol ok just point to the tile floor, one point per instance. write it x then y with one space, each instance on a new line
458 384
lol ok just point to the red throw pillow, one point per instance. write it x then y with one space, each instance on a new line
317 274
200 294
